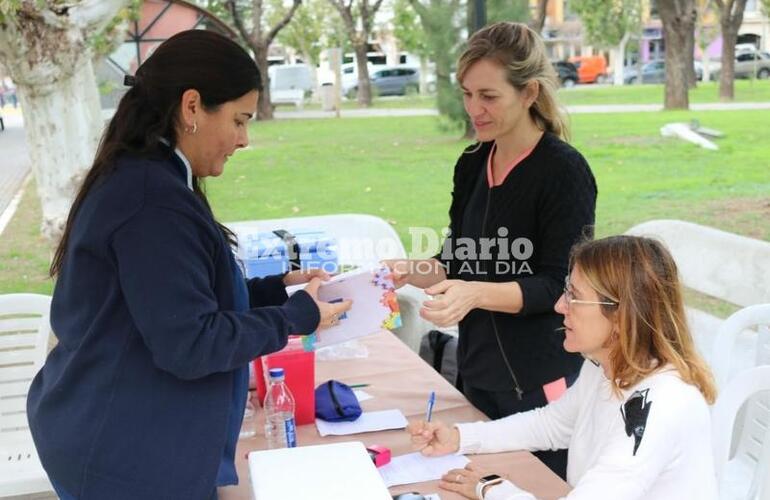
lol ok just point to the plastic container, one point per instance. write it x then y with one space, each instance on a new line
265 254
280 427
299 370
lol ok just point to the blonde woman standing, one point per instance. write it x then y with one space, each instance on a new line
637 420
522 197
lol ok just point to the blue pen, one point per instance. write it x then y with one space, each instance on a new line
431 402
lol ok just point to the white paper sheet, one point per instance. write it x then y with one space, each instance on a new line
374 304
416 468
340 471
368 422
362 396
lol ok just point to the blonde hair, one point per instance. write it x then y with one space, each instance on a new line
640 275
518 49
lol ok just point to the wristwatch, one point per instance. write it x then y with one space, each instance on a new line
486 481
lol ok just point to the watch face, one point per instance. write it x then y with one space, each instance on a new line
489 478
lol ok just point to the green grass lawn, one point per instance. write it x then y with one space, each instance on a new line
705 92
400 169
388 102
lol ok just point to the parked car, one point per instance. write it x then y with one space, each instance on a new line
568 73
591 69
391 80
746 63
350 76
654 72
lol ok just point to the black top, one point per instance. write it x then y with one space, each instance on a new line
544 206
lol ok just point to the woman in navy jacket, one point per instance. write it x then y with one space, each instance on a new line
144 394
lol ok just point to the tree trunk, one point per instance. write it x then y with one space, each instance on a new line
423 75
676 71
678 17
702 44
63 126
444 83
539 21
639 62
47 55
364 84
618 57
692 78
264 106
727 72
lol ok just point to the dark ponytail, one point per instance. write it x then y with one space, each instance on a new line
217 67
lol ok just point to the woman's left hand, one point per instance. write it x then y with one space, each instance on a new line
457 298
463 481
304 276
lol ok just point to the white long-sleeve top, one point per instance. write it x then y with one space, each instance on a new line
671 461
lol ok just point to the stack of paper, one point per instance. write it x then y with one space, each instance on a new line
341 471
371 421
416 468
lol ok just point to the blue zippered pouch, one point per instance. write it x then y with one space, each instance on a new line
336 402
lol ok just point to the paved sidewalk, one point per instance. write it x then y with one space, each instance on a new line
579 109
15 164
357 113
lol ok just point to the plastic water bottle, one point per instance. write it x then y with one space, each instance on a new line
279 413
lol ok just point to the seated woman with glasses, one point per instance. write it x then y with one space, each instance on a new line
636 422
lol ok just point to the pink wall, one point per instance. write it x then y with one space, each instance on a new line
177 18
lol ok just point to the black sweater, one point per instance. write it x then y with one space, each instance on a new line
545 205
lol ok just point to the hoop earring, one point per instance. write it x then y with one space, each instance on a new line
193 129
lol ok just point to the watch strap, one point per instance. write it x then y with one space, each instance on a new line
483 483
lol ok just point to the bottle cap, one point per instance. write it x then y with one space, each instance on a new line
276 373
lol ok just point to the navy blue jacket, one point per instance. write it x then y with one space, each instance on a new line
134 400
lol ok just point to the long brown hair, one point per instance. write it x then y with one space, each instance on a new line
521 52
217 67
640 275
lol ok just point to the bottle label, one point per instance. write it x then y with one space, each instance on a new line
291 434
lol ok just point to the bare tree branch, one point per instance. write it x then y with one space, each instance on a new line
370 18
419 8
256 19
238 21
283 22
346 13
539 21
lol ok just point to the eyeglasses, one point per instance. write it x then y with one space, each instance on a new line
570 297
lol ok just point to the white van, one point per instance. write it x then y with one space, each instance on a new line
289 83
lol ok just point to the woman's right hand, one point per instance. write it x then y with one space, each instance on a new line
435 438
399 271
330 313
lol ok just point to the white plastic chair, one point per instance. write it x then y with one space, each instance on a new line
723 265
743 475
742 341
24 332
